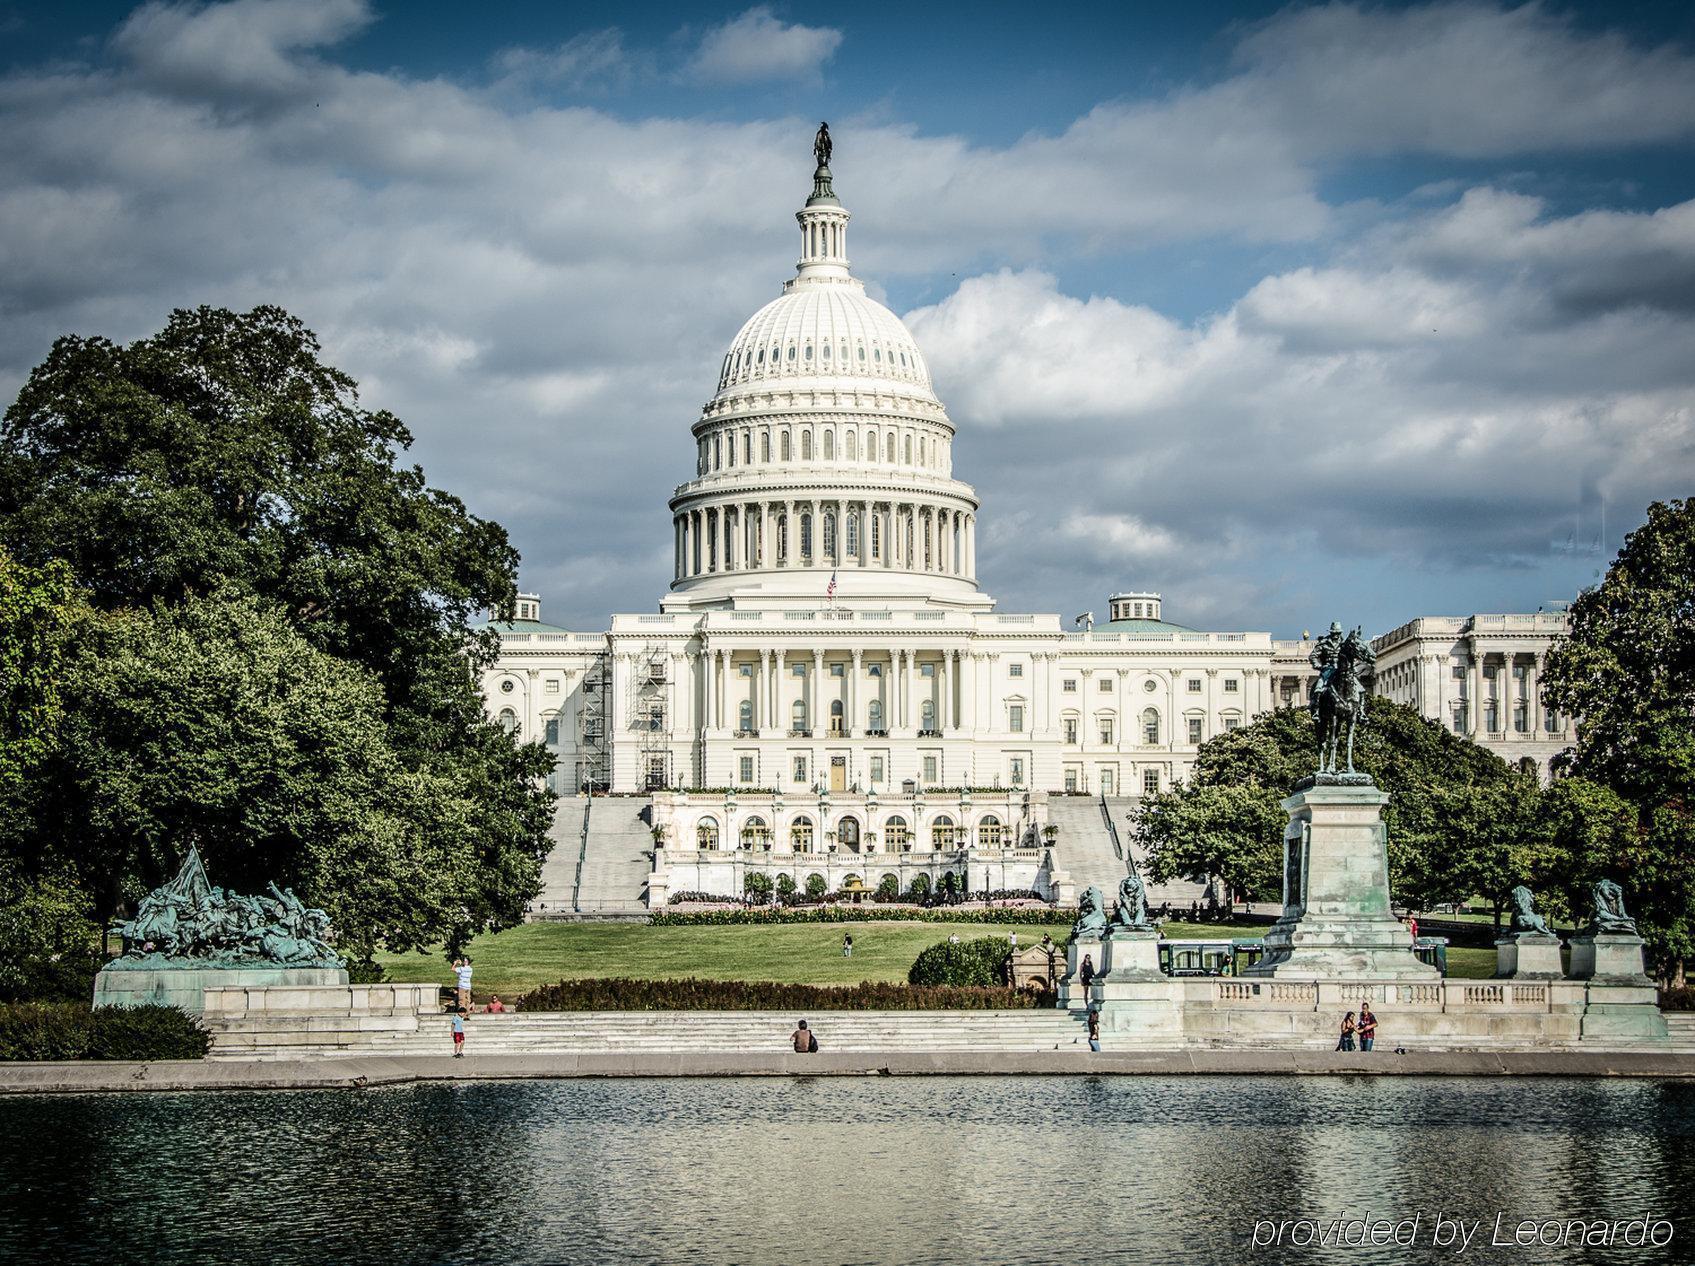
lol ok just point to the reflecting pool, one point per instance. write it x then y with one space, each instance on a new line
828 1170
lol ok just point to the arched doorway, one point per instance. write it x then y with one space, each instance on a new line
847 834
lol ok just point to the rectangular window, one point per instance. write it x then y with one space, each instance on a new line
1231 685
746 670
1070 730
1015 718
929 769
1106 733
1521 721
1071 780
1017 771
876 769
553 731
876 670
799 670
1459 672
553 685
926 670
1490 721
1106 685
1015 670
1194 729
838 670
1150 782
1107 781
747 768
1194 685
800 769
1230 723
1069 685
1551 721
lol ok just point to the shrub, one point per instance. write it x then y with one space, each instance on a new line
688 894
74 1030
920 890
786 890
757 886
1682 999
888 889
815 887
366 971
979 962
617 994
49 943
1020 915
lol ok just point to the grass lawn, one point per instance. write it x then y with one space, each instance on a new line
519 959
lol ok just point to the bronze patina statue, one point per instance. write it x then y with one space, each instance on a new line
1091 915
1338 696
1609 909
189 923
1526 922
1132 911
821 146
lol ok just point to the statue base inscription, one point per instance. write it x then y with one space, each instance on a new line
185 987
1337 921
1528 957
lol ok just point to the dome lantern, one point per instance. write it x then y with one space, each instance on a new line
823 225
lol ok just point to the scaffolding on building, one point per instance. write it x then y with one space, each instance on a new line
650 717
594 766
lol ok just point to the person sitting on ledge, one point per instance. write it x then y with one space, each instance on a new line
804 1041
495 1007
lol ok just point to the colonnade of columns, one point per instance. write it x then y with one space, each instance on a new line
838 532
898 686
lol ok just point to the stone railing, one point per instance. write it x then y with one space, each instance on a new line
234 1002
1448 995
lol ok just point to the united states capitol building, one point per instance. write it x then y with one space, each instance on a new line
826 689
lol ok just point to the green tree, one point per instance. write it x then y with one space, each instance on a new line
223 456
1627 674
38 607
756 885
1225 820
48 938
1589 827
1496 838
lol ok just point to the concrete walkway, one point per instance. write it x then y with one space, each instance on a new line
316 1074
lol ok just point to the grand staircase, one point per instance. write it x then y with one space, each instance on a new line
608 875
612 1032
1087 847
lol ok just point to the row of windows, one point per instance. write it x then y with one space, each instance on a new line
944 832
1106 780
1194 685
900 361
735 448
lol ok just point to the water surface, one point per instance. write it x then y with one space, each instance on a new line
907 1170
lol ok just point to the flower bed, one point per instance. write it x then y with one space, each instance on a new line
1039 914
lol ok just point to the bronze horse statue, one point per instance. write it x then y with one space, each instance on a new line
1338 696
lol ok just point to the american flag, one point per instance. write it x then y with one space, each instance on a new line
830 593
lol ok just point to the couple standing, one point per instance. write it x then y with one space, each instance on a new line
1365 1027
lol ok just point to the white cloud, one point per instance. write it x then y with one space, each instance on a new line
590 63
757 45
246 47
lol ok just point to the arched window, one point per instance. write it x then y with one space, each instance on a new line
755 834
806 446
791 351
876 714
861 353
744 716
838 722
826 352
877 355
847 835
707 833
990 832
509 720
891 447
785 448
829 446
783 533
806 536
896 833
809 351
798 715
765 446
927 711
1150 726
829 535
943 833
800 834
850 443
853 535
876 536
908 450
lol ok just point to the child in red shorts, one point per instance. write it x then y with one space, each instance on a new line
459 1034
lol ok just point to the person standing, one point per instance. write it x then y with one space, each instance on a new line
459 1034
1346 1041
1367 1026
1094 1029
1412 926
1014 939
462 979
1087 971
847 945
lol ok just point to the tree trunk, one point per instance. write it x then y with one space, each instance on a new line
1497 911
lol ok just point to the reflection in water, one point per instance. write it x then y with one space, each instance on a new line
910 1170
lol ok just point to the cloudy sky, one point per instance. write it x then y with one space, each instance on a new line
1291 312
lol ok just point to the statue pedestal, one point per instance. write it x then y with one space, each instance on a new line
1072 995
1623 1005
1336 920
1610 956
1139 1004
1530 956
185 987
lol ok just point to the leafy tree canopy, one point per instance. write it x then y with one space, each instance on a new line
37 609
1627 673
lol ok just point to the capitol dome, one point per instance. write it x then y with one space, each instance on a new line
824 462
